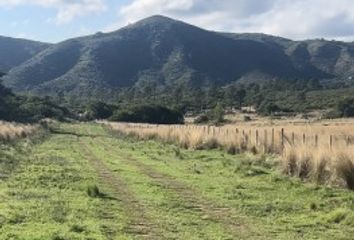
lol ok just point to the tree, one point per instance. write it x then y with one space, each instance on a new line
241 94
217 113
268 108
230 95
100 110
149 114
346 107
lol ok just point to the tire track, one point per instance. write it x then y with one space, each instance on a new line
140 226
191 197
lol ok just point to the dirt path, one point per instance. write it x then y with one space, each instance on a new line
191 197
140 226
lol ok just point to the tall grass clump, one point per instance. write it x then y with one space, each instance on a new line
11 131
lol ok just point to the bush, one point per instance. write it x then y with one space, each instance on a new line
100 110
215 116
149 114
346 107
201 119
268 108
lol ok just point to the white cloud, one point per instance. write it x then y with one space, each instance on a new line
296 19
67 10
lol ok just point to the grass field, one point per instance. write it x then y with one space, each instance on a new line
84 182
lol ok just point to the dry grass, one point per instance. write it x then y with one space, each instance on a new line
11 131
318 151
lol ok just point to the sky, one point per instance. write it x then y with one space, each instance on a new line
57 20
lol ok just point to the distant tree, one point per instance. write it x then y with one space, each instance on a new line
100 110
241 94
149 114
268 108
346 107
230 95
217 114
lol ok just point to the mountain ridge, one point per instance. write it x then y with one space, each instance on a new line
15 51
165 52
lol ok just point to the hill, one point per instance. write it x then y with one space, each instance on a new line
162 60
16 51
164 52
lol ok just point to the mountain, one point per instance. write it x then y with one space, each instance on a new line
16 51
334 58
167 52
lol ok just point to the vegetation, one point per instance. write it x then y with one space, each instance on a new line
90 185
99 110
346 107
311 152
233 69
149 114
27 108
11 131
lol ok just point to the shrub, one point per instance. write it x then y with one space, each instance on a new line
201 119
346 107
149 114
93 191
345 170
100 110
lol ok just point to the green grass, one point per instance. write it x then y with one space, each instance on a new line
51 190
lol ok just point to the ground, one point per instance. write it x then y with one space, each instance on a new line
83 182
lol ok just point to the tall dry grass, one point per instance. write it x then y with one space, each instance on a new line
321 151
11 131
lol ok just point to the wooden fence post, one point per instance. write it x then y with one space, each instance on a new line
316 140
257 137
282 139
265 140
331 142
303 138
293 138
272 139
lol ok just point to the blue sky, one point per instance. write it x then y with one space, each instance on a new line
57 20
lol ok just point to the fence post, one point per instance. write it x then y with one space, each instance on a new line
303 138
282 139
316 140
272 139
265 140
257 137
331 142
293 138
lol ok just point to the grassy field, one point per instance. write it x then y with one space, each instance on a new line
84 182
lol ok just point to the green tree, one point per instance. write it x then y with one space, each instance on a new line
218 113
241 94
346 107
